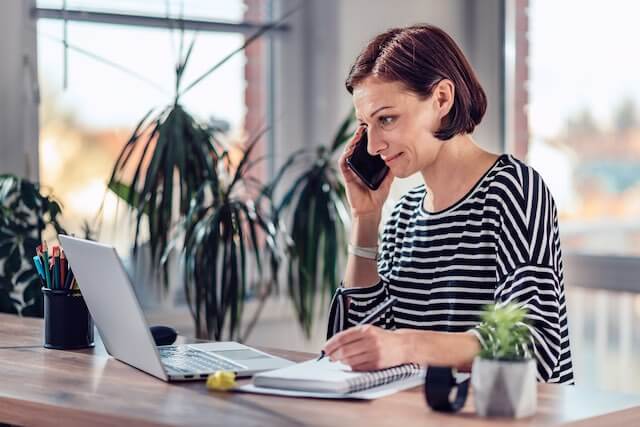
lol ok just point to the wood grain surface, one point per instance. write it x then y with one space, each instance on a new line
87 387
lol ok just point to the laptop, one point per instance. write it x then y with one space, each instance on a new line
107 290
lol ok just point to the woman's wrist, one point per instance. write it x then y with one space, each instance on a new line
408 346
455 349
364 230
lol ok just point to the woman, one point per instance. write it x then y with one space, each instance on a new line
482 229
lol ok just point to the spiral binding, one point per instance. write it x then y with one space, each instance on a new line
383 376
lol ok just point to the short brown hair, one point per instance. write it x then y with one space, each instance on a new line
420 57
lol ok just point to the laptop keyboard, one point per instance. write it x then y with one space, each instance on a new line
186 360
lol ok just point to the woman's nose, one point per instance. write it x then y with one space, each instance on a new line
375 144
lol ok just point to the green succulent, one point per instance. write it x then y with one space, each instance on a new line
505 334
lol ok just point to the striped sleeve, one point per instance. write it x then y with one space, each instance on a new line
350 305
527 256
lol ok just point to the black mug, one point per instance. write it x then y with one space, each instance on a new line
67 322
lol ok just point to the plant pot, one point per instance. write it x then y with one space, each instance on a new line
504 388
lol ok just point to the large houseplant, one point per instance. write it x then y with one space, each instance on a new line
315 210
314 206
504 373
167 158
226 234
25 213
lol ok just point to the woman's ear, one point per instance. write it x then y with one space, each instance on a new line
443 95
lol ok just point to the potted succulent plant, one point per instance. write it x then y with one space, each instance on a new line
503 375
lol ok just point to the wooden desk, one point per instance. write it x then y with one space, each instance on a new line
87 387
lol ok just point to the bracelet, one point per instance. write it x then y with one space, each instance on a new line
364 252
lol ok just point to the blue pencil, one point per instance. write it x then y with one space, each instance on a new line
38 264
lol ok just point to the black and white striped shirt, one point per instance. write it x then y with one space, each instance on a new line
500 243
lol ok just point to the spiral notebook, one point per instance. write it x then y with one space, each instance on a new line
328 379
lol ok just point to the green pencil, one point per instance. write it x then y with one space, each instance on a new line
47 273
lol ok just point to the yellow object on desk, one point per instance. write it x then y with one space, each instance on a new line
221 381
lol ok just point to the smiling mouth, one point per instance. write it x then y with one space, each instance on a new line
391 159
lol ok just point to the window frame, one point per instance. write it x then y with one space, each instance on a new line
617 273
246 28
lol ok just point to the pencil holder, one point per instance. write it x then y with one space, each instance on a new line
67 322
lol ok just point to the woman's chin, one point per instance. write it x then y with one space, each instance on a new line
400 173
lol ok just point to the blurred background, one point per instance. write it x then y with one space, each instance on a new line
77 76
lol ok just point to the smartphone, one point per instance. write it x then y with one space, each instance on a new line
371 169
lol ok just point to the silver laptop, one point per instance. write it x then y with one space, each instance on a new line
112 303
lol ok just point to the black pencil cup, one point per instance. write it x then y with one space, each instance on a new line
67 322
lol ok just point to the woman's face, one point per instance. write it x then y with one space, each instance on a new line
400 125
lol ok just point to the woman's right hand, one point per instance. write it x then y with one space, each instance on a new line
363 200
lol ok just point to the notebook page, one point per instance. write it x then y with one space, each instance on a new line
369 394
320 376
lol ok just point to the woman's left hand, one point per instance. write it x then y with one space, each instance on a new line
368 347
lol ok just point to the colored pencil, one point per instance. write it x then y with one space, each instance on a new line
69 280
38 264
63 267
56 267
47 273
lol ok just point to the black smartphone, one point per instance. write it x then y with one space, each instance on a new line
371 169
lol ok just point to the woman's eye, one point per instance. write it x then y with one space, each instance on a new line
386 120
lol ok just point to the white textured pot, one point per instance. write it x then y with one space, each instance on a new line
504 388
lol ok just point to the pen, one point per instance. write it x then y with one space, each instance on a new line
372 317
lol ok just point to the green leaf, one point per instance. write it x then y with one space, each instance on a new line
242 166
505 333
125 192
7 303
315 206
24 214
27 275
28 195
182 65
6 284
13 262
6 247
29 245
33 291
162 148
34 300
247 42
346 130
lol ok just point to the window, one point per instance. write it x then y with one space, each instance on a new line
577 117
114 74
584 123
